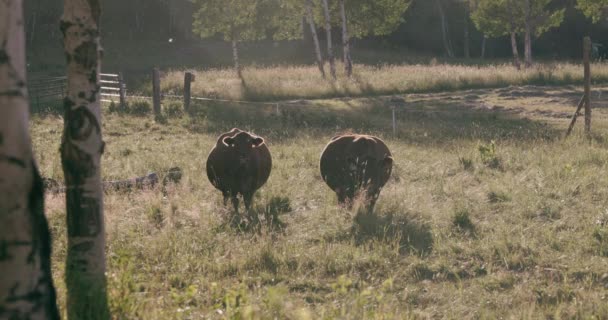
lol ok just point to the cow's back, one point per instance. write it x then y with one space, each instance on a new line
334 162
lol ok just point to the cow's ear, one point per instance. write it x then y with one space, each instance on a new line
229 142
257 142
388 161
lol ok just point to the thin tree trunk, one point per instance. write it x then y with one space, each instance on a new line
467 46
516 61
81 150
348 64
528 35
235 58
315 37
26 283
444 31
483 47
33 30
330 50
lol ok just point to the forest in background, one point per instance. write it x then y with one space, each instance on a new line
162 30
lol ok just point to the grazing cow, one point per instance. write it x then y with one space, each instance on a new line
240 163
354 164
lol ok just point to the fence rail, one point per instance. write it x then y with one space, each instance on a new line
113 88
48 92
45 92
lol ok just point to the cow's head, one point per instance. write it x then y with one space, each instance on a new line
243 143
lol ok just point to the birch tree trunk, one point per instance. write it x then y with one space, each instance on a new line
235 58
447 45
26 283
528 36
330 50
315 37
516 61
81 150
348 64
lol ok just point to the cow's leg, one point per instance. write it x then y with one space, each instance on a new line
248 200
341 197
226 197
235 203
371 201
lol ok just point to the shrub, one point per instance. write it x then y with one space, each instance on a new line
140 107
487 153
462 221
174 109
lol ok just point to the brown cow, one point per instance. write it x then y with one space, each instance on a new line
240 163
353 164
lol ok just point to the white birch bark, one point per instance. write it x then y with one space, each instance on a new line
528 36
26 287
315 37
516 61
447 45
81 150
330 50
348 64
235 58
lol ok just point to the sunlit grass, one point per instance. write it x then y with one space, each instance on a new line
292 82
455 235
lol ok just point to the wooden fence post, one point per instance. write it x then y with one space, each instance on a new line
394 123
156 91
586 57
188 79
121 92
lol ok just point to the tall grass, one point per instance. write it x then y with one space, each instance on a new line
294 82
455 236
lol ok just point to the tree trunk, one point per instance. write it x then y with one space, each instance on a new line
467 47
235 58
81 150
348 64
26 283
528 35
330 50
447 45
33 27
315 37
483 47
516 61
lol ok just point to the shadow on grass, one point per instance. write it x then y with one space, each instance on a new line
413 235
437 121
270 211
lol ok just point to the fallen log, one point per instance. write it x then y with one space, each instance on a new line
149 181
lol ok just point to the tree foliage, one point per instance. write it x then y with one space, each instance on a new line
234 20
496 18
593 9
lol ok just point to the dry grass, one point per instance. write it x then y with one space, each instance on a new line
283 82
463 230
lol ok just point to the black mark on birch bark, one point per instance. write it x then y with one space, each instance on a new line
6 245
12 160
83 247
4 58
84 215
86 54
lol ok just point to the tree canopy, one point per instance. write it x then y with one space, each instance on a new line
234 20
594 9
497 18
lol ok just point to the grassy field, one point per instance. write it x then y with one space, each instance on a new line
489 213
295 82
